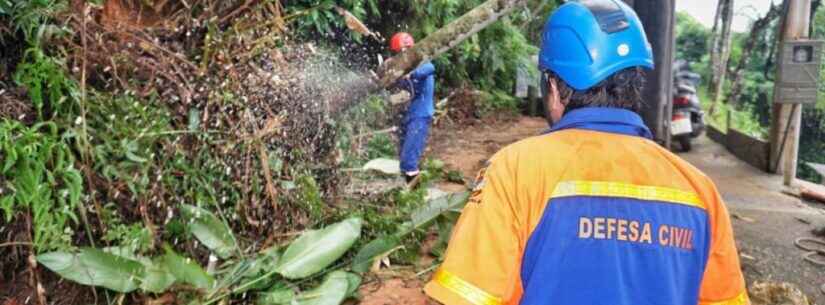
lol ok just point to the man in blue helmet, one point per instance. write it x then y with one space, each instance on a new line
593 212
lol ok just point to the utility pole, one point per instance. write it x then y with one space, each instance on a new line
786 118
658 19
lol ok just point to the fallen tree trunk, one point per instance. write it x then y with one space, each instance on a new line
445 39
428 48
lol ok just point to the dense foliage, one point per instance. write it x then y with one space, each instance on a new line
691 40
205 138
752 112
487 61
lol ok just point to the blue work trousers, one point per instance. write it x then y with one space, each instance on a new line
414 133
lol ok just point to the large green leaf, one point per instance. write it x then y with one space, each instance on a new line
278 295
424 215
354 281
332 291
259 266
317 249
419 218
337 286
438 206
383 165
157 278
94 267
373 250
210 230
185 270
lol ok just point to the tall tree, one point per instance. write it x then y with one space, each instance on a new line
757 30
720 50
691 38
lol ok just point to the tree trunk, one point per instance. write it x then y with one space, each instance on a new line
720 53
815 4
757 29
714 36
766 70
430 47
445 39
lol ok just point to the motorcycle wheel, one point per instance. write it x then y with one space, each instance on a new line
685 143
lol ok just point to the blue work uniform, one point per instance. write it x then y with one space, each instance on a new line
415 127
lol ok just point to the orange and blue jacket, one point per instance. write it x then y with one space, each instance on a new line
593 212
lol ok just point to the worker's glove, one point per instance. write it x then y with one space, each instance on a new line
399 98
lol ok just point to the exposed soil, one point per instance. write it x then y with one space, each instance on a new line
14 106
462 109
464 148
405 290
467 148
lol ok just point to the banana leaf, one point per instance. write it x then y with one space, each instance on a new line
94 267
185 270
337 286
317 249
210 230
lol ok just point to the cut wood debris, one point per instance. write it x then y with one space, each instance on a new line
355 24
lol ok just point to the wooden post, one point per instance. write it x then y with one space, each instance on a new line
533 100
658 19
786 118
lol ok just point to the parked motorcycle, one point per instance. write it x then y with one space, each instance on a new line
687 121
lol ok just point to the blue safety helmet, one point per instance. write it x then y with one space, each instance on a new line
586 41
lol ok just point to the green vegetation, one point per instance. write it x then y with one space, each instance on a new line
488 61
751 113
41 179
691 40
167 167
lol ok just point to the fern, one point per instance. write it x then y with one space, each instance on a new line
31 16
40 178
47 83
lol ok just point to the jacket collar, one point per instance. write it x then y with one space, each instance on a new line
611 120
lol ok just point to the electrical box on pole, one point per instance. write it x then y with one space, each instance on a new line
799 72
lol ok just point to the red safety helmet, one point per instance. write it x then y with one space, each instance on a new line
400 41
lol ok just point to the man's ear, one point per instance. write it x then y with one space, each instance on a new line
553 90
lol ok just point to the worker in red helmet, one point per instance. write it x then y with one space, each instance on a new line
420 83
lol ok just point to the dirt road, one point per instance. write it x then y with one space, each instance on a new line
765 221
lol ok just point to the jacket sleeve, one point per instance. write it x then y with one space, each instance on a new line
723 282
423 71
403 84
482 261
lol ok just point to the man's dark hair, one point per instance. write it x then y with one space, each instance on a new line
621 90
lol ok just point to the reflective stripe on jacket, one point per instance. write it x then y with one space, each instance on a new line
591 213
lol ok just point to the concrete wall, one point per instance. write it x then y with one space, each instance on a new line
752 150
716 135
